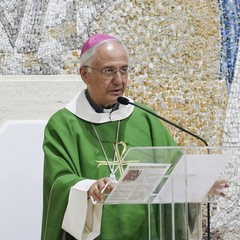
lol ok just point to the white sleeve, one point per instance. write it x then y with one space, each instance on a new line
82 219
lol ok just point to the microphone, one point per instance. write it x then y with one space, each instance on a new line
125 101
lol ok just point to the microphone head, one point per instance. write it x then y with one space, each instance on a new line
123 100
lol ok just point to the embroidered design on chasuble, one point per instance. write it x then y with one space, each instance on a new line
116 165
117 162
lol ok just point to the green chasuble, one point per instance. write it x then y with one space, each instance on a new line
71 153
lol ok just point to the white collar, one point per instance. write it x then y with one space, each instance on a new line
80 107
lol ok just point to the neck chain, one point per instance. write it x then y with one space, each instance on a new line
111 169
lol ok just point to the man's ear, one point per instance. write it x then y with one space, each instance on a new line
84 74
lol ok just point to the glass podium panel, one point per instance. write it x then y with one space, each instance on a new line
173 182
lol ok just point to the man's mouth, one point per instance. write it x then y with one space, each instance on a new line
117 91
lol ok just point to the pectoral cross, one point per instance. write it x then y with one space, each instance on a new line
118 158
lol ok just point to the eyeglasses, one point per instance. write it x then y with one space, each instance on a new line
111 72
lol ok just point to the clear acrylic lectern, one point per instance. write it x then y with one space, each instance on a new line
172 182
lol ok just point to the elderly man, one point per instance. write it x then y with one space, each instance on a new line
85 132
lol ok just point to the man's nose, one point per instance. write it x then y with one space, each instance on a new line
117 77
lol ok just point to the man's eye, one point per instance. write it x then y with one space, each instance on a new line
108 70
124 69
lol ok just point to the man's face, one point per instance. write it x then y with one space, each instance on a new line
107 76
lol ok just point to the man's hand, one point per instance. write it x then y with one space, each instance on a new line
218 187
101 186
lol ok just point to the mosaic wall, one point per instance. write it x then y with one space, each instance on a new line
227 217
36 36
174 64
183 55
230 31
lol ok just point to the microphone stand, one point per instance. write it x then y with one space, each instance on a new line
125 101
173 124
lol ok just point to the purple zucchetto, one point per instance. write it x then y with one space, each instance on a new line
93 40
